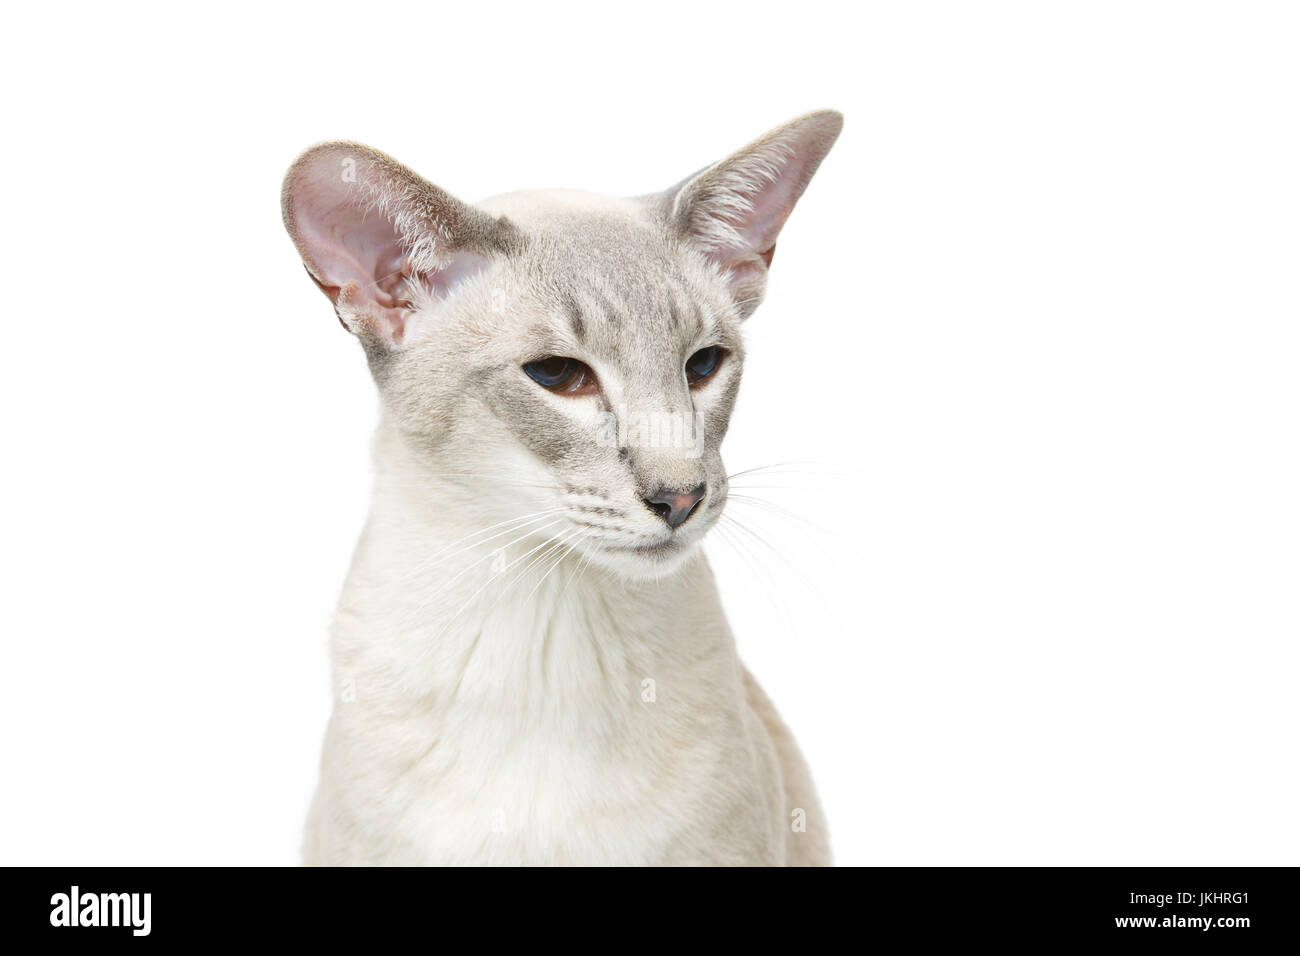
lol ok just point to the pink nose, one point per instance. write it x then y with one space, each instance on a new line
675 506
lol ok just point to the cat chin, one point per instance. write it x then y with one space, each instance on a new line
646 564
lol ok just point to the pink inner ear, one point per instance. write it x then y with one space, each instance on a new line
352 251
340 199
735 209
771 208
756 232
343 243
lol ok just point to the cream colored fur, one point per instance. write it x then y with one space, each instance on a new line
531 666
487 749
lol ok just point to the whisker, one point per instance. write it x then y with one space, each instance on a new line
446 585
785 467
447 625
566 550
773 594
776 587
551 544
810 586
776 509
747 487
464 544
580 567
487 476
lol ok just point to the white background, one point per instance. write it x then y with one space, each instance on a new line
1036 320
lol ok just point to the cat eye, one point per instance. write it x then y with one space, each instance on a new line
565 376
702 364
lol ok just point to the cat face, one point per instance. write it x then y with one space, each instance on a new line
563 358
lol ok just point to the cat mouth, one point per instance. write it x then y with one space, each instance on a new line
646 550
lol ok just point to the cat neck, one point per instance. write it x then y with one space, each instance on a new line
439 600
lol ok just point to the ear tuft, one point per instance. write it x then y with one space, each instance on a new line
734 210
380 241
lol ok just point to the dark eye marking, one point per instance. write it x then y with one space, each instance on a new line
564 376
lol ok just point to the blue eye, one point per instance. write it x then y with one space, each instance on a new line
702 364
564 375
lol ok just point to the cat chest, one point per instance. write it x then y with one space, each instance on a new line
521 788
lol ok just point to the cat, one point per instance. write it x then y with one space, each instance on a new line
531 660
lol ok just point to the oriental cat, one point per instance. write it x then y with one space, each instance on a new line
531 662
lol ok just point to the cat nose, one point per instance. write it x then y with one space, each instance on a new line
675 506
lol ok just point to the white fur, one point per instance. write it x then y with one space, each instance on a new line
532 666
459 739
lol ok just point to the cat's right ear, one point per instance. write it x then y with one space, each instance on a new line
382 243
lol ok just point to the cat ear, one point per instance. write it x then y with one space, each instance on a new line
734 210
379 241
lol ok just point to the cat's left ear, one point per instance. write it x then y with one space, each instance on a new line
733 210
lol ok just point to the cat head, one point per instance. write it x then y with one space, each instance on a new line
553 355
